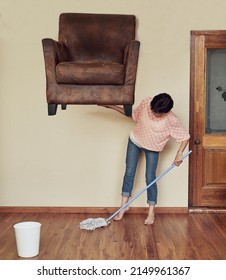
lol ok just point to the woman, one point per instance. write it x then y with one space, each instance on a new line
155 125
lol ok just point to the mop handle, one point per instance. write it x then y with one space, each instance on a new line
147 187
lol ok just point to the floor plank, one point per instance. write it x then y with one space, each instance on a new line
172 237
192 236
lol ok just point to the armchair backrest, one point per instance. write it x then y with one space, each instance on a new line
96 37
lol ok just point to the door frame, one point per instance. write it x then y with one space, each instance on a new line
198 40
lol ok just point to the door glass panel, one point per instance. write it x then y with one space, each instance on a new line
216 91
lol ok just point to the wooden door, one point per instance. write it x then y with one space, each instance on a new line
207 165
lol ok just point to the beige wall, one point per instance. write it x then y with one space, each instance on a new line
76 158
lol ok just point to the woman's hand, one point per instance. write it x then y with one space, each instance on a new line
179 156
178 159
115 107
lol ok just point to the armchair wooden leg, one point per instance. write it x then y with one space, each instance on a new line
52 109
128 110
63 106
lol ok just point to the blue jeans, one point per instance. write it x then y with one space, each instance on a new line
132 157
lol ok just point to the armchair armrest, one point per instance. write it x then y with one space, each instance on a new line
54 52
130 61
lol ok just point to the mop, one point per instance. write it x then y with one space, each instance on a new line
93 223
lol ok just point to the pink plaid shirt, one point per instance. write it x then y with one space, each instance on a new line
151 132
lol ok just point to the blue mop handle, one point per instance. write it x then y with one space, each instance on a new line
147 187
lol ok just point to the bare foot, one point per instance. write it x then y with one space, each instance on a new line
120 214
149 220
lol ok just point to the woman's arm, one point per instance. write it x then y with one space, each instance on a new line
179 156
116 108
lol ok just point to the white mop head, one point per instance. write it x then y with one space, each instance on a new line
92 224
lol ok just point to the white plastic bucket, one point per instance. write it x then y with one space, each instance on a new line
27 238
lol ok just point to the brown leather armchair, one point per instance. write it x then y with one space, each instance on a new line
94 61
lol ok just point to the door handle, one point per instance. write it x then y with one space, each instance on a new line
197 142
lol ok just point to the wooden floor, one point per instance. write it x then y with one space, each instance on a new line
172 237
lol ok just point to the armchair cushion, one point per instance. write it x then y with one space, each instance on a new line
93 73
